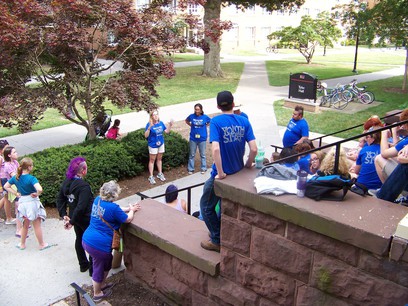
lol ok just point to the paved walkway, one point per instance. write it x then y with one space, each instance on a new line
43 277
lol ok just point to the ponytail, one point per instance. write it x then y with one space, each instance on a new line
19 172
26 163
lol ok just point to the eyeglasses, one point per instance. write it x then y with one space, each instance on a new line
314 159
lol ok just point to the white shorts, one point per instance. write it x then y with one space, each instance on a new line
156 150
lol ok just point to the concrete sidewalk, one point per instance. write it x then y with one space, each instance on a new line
42 277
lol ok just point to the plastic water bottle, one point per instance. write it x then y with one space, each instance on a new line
259 158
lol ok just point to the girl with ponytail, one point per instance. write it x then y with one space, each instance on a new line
30 208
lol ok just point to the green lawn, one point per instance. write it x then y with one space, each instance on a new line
331 121
188 85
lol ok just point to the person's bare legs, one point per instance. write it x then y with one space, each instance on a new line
38 232
7 207
159 162
379 163
97 287
152 158
24 231
19 226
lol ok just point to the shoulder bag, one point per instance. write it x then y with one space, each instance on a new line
117 237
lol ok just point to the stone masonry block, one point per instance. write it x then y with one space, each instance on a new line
261 220
173 289
324 244
235 235
227 264
155 256
231 293
384 267
265 302
229 208
358 287
399 249
271 284
281 254
199 299
190 276
307 296
141 269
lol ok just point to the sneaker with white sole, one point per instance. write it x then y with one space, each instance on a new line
373 192
10 222
151 180
161 177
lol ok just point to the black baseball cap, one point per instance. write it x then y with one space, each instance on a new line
225 98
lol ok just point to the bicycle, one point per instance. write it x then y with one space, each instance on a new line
272 49
333 97
352 92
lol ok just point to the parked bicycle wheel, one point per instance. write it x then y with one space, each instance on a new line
365 98
338 102
372 97
347 95
324 101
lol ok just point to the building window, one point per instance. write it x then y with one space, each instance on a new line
250 32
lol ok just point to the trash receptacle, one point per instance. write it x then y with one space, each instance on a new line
303 86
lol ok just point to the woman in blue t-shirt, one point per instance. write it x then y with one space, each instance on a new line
106 217
365 165
155 140
198 137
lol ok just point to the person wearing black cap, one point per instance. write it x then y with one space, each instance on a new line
228 135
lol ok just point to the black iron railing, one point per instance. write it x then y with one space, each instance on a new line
337 144
189 188
81 292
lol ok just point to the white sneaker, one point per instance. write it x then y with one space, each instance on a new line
10 222
190 172
151 180
161 177
373 192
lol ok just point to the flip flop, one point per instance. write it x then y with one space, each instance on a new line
20 248
19 236
108 286
105 294
48 246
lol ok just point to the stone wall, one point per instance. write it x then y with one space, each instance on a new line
275 251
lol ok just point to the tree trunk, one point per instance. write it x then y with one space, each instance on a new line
404 81
212 66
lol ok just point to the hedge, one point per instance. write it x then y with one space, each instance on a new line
106 159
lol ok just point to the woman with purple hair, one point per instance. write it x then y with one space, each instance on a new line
76 194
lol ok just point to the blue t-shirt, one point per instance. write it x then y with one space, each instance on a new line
198 132
25 184
156 139
399 146
231 132
99 235
295 130
304 163
368 175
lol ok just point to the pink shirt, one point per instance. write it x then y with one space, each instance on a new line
2 173
9 168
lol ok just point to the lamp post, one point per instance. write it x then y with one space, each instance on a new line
356 51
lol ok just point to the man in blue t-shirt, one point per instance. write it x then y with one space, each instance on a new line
228 135
297 129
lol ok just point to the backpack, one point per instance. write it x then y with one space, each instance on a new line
327 187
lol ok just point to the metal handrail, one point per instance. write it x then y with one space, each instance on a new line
348 129
337 144
188 188
79 291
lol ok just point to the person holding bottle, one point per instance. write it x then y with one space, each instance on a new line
198 122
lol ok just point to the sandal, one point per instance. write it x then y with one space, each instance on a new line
105 294
108 286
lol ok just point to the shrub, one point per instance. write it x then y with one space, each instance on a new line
106 159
